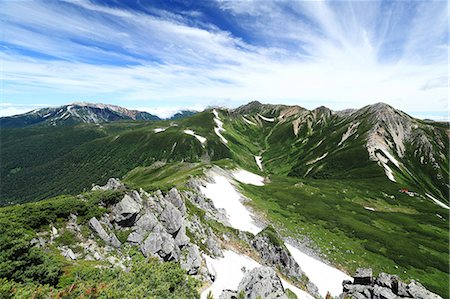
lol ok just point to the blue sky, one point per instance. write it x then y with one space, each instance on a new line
162 56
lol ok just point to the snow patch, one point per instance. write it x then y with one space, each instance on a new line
229 274
317 159
437 201
258 160
350 131
248 177
325 277
200 138
248 121
219 127
224 196
266 118
369 208
388 172
159 130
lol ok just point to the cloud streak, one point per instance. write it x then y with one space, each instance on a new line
340 54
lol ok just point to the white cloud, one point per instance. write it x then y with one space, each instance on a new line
334 57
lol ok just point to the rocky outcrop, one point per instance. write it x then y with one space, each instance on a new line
110 238
112 184
275 254
157 222
385 286
262 282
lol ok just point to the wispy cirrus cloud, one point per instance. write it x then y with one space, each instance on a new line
340 54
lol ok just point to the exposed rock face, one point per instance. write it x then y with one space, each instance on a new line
384 286
171 218
261 282
110 238
157 224
190 259
112 184
127 209
276 255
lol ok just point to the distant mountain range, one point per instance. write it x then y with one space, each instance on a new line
80 113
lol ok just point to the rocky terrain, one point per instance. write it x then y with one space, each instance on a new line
384 286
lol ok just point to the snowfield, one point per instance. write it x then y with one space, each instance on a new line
224 196
325 277
229 273
248 177
199 138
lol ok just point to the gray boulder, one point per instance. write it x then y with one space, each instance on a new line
127 209
110 239
135 238
152 244
363 276
274 253
228 294
174 198
171 218
181 239
261 282
190 259
112 184
417 291
146 222
380 292
167 247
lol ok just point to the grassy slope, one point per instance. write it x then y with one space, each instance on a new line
403 231
34 168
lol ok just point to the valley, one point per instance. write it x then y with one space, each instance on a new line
362 189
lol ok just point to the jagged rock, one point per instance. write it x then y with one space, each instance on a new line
135 238
112 184
213 246
275 254
98 228
363 276
174 198
127 209
181 239
147 222
228 294
171 218
167 247
152 244
190 259
380 292
70 254
384 286
261 282
417 291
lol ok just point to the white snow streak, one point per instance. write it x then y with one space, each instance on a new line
325 277
224 196
317 159
219 127
248 121
266 118
369 208
200 138
350 131
438 202
258 160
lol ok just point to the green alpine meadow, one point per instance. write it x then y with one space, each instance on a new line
129 208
